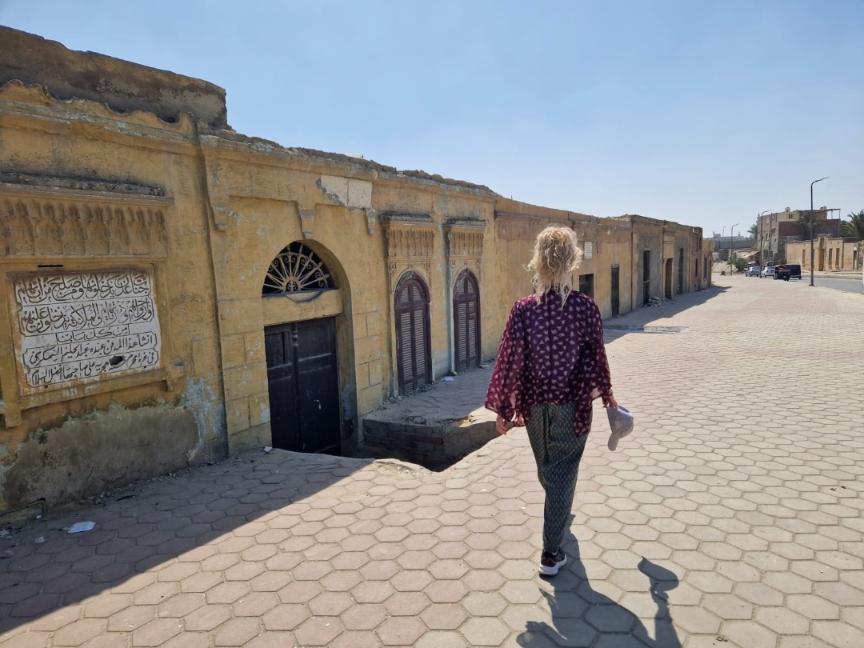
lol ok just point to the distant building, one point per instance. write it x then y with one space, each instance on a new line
722 242
830 253
775 230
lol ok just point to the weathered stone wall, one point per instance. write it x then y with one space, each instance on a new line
135 383
830 254
122 85
86 193
605 243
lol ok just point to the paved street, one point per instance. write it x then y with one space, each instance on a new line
731 518
847 284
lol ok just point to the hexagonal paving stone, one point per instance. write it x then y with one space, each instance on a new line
609 618
372 591
299 592
236 632
484 604
749 633
400 631
521 592
446 591
364 616
285 617
79 632
728 606
813 607
131 618
227 592
207 618
156 632
444 616
330 604
448 569
318 631
838 634
484 631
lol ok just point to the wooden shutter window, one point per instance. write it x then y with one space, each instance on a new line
466 326
412 333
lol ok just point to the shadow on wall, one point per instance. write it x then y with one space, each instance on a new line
602 620
43 569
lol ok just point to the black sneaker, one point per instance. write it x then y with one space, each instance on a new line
551 564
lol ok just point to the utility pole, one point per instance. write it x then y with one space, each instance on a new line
760 233
731 229
812 223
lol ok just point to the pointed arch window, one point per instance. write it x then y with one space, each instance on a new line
297 269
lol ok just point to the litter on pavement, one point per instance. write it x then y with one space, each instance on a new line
81 527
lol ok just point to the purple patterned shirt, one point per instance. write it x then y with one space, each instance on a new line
550 354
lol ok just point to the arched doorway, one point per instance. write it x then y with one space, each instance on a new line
466 321
302 364
413 357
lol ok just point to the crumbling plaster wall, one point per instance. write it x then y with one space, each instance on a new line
79 152
123 85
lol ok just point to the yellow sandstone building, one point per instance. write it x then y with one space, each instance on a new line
173 292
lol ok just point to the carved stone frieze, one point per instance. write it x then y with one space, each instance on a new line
59 221
410 244
464 244
410 236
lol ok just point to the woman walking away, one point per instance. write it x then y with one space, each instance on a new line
551 366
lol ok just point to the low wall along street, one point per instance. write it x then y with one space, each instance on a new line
148 320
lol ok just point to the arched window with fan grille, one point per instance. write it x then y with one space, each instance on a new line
296 269
466 321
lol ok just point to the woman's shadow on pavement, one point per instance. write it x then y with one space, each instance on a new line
580 613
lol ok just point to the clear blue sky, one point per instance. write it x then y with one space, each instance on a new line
696 111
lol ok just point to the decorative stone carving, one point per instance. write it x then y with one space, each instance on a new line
464 244
48 221
410 244
465 237
78 327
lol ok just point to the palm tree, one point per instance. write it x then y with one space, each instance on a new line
854 227
809 220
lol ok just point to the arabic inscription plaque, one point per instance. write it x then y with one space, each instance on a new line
85 326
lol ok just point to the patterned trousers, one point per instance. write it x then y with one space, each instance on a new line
557 449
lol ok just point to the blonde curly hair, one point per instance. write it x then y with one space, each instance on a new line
556 257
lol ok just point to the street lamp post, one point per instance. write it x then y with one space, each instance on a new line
760 233
812 229
731 229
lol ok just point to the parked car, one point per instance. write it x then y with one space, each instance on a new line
767 271
788 271
752 270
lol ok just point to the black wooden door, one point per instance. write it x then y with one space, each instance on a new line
668 279
303 386
616 290
646 277
412 334
466 321
586 284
